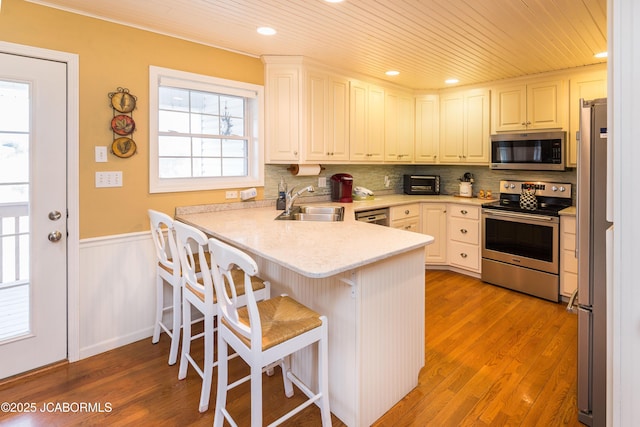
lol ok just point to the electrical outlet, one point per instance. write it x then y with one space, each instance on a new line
108 179
231 195
387 181
322 181
101 153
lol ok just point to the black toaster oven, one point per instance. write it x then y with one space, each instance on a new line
422 184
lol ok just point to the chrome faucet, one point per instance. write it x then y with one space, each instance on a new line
291 197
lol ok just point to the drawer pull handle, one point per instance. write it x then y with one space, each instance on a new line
407 212
463 255
463 231
463 212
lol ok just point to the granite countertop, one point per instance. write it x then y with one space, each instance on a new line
313 249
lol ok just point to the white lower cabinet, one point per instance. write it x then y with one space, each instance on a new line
434 223
405 217
464 236
568 260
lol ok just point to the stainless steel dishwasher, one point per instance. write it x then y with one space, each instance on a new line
374 216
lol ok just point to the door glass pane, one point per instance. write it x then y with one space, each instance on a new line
14 209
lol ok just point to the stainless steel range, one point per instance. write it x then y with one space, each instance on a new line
520 245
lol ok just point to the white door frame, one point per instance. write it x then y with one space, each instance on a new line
73 163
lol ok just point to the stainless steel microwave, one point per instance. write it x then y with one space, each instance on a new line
543 151
422 184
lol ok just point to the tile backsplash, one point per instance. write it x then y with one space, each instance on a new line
372 177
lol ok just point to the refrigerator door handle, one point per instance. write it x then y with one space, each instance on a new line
585 361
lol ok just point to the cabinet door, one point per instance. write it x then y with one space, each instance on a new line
327 100
434 223
545 105
510 108
338 126
451 127
398 128
476 127
317 116
283 113
358 121
427 126
584 86
366 122
375 140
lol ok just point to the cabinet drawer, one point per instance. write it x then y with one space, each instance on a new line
568 261
568 241
464 211
568 225
411 224
404 211
464 255
464 230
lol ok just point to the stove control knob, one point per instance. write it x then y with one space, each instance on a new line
506 185
562 189
554 188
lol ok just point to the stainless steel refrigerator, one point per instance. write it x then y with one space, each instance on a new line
593 231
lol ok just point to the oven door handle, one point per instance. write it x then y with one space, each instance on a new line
519 215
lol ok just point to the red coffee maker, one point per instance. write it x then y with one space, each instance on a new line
341 188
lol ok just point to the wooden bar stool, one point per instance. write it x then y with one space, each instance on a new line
263 334
198 292
167 271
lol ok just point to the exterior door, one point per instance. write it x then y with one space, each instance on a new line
33 213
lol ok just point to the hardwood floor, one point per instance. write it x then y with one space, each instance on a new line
493 357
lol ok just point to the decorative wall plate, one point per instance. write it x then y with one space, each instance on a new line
123 124
122 100
123 147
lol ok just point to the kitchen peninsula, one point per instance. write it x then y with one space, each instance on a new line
367 279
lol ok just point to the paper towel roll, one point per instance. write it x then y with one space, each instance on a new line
305 170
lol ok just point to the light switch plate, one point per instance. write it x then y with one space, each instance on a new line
109 179
101 153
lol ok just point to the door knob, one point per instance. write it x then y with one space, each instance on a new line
54 215
54 236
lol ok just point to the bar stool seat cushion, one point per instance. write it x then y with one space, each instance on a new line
282 318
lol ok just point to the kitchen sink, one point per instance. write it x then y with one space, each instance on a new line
314 213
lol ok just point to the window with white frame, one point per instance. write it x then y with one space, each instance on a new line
205 132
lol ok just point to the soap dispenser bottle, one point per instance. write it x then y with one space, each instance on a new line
281 203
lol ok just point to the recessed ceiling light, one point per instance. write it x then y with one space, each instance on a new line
392 73
451 81
601 54
266 31
334 1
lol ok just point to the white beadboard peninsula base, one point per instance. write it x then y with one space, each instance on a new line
376 331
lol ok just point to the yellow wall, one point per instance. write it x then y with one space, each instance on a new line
113 56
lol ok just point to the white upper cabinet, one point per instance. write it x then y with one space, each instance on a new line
307 112
283 117
366 122
399 118
534 105
588 85
327 101
427 129
464 127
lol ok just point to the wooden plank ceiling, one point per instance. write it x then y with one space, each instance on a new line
427 41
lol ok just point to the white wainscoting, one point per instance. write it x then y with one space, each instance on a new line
116 291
